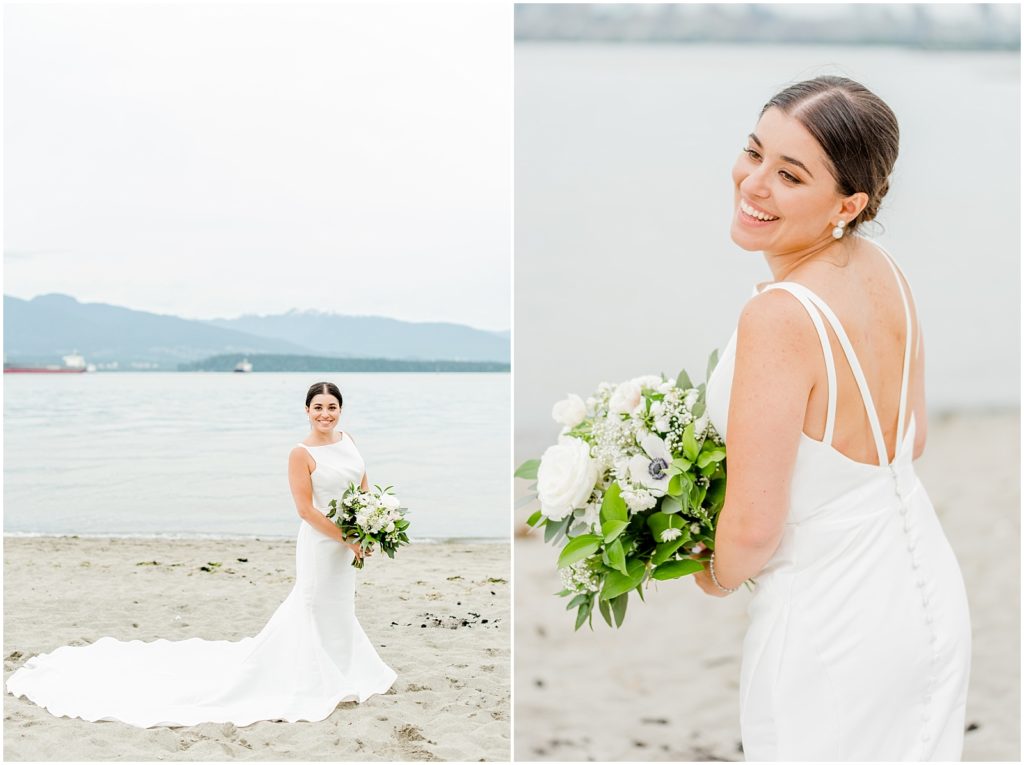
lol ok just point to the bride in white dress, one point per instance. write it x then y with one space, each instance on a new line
859 639
310 656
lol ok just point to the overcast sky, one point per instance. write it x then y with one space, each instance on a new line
215 160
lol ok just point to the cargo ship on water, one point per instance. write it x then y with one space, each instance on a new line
74 363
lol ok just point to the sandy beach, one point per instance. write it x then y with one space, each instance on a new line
438 614
665 686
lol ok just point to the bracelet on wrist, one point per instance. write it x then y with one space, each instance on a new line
711 569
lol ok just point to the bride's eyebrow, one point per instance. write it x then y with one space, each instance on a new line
784 158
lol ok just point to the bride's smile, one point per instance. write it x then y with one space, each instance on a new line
323 413
785 192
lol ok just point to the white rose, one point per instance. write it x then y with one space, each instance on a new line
565 478
390 527
626 398
569 412
390 501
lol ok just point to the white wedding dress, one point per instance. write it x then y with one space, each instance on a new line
310 656
859 639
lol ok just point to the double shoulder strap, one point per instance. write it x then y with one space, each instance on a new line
816 308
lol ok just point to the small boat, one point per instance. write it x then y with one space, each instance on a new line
243 366
74 363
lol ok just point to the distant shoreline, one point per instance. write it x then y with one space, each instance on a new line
283 362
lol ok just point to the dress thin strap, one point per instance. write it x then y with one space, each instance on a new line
799 292
906 355
858 372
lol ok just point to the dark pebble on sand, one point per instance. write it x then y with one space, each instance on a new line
972 726
242 560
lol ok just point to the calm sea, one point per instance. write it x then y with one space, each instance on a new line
206 454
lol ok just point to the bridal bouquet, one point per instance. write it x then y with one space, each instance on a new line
373 517
631 491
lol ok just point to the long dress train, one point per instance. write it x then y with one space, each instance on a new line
311 654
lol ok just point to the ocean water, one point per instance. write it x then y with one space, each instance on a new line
206 454
623 197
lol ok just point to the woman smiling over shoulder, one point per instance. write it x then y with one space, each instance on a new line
859 641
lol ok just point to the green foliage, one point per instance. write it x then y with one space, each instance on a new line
619 608
674 569
616 583
690 447
613 506
579 548
712 363
671 504
615 557
612 529
528 470
553 529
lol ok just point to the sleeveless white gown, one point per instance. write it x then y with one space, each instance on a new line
310 656
859 640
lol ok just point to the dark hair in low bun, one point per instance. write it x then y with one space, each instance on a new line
856 129
323 387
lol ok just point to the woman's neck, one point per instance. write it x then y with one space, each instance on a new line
316 438
835 252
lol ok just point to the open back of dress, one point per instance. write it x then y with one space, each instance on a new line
859 639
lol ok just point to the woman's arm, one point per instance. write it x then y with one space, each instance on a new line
302 493
777 356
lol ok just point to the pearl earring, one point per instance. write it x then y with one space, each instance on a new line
837 232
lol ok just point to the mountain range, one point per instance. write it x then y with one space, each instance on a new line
46 327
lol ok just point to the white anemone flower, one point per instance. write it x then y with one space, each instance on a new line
650 469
